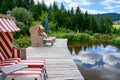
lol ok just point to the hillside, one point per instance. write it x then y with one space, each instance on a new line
113 16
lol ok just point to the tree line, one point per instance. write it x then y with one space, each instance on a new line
59 17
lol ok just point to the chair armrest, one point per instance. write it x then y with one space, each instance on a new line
8 69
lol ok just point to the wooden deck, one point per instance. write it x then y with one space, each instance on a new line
59 63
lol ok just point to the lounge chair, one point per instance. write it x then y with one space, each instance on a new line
10 56
35 68
20 72
45 36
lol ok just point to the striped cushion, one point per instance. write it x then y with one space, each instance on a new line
18 59
26 75
37 69
47 40
32 61
6 64
32 69
35 65
10 61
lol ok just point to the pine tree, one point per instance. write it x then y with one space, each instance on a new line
93 26
62 8
101 26
108 24
36 10
3 7
86 22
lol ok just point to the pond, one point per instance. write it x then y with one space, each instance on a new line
96 62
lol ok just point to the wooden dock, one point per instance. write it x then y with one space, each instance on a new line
59 62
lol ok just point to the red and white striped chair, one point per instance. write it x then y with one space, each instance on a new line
34 64
45 36
31 63
20 72
37 72
10 57
37 33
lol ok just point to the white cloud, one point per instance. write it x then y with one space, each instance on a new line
70 2
88 58
107 4
74 4
92 11
111 5
112 59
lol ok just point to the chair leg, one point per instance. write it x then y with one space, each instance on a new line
45 73
2 77
52 43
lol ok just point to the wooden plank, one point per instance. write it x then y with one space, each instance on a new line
59 63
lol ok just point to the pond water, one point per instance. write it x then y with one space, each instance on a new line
97 62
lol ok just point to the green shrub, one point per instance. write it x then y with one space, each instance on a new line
64 30
22 42
115 41
105 38
88 32
97 35
52 25
69 36
94 40
77 37
82 37
22 15
23 32
20 24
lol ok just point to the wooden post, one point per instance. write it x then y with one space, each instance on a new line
23 53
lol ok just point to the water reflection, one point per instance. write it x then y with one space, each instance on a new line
97 62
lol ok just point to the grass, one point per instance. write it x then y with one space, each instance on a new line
117 26
116 29
57 34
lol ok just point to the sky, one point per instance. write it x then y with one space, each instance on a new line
92 6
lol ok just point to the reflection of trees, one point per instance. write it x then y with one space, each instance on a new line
78 46
84 47
77 49
70 49
105 45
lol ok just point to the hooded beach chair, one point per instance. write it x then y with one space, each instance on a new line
37 38
10 56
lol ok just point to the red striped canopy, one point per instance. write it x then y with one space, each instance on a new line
7 24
